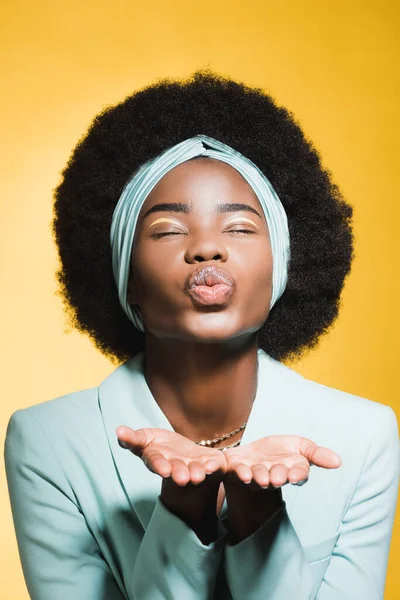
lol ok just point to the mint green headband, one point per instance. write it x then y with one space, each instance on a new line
140 185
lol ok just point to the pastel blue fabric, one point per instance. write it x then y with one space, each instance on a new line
91 525
139 186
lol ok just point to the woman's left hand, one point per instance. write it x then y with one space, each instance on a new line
256 473
273 461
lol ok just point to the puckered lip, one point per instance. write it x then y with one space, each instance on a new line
209 275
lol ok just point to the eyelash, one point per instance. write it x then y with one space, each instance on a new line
159 235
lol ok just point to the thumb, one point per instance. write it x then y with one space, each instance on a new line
318 455
134 440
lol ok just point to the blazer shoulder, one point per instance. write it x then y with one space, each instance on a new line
353 403
59 416
82 400
333 405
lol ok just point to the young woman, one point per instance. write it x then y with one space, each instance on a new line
202 244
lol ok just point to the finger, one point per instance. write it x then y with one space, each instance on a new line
216 462
137 439
298 474
243 472
157 463
327 458
211 466
261 475
180 472
197 472
278 475
301 482
318 455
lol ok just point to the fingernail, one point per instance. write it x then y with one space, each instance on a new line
123 444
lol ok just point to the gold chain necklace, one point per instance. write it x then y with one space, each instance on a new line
222 438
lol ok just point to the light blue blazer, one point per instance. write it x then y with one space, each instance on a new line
90 523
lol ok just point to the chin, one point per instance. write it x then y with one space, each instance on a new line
214 327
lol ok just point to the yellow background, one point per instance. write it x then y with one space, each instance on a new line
333 63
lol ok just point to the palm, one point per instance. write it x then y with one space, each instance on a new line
171 454
276 460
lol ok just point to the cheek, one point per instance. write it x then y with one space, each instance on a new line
260 290
255 272
256 289
153 272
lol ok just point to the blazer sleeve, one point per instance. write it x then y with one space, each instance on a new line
181 565
271 563
60 557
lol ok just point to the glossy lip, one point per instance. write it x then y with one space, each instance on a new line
211 295
210 275
210 286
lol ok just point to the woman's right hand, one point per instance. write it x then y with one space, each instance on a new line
170 454
191 474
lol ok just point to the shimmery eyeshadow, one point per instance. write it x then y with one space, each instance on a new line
243 219
166 220
162 220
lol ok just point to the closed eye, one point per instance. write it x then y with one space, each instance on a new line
165 233
158 235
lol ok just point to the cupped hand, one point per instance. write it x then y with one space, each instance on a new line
170 454
273 461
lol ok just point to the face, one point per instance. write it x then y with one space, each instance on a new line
198 230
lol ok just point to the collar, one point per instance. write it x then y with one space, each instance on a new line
125 399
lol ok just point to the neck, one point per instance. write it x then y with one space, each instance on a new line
204 390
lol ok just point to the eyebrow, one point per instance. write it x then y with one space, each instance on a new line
178 207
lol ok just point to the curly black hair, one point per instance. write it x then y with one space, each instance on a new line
123 137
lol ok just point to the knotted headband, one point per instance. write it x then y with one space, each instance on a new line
139 186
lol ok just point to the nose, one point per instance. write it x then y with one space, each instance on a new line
206 248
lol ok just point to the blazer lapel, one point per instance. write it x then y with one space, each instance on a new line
125 399
272 413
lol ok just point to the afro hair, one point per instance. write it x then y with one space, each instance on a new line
123 137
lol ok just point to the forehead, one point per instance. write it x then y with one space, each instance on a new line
201 181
